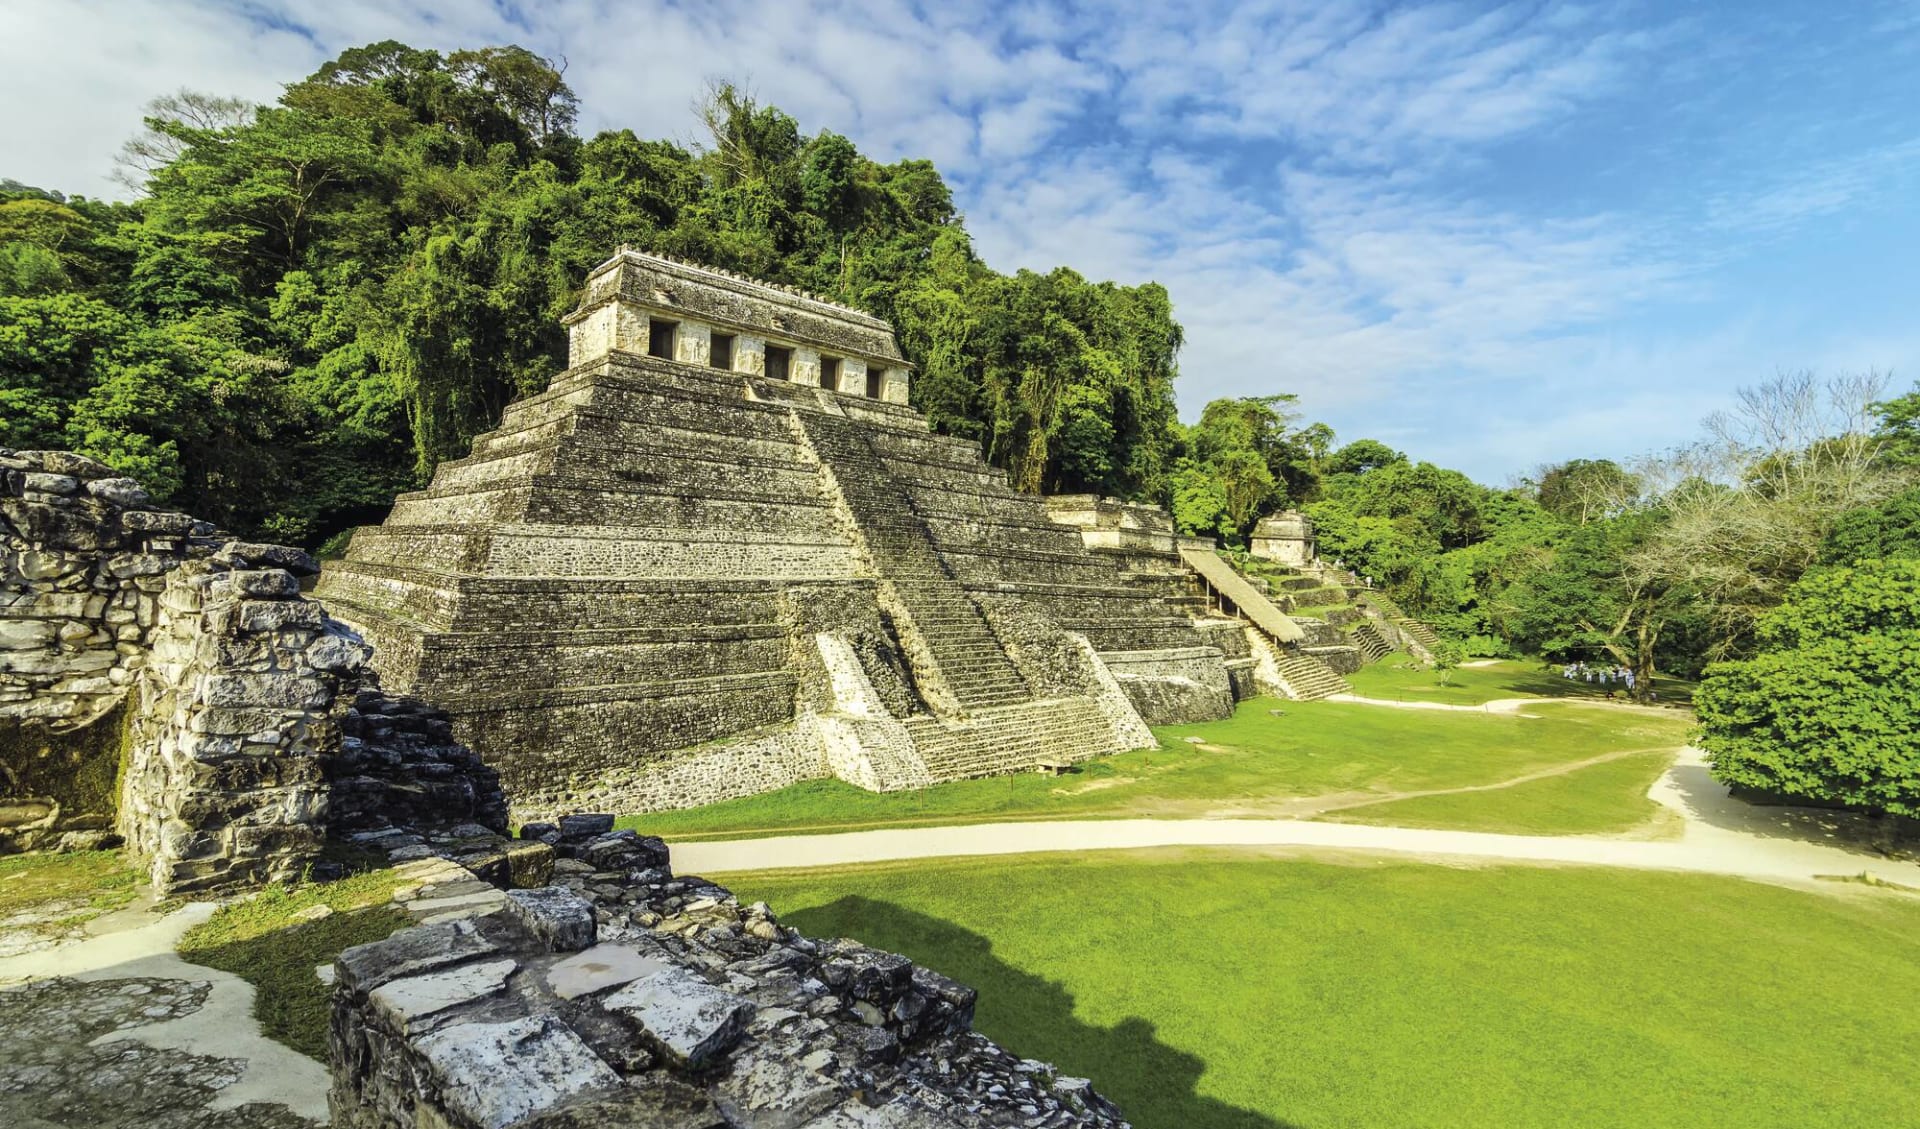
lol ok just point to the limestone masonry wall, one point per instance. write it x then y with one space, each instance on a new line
175 687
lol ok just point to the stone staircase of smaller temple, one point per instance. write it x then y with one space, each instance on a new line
1306 678
1372 643
1303 674
1422 635
968 658
1342 599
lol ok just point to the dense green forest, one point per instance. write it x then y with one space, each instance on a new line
307 305
310 304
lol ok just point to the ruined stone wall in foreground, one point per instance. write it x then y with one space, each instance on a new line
625 996
161 681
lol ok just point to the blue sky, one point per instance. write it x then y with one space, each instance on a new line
1491 234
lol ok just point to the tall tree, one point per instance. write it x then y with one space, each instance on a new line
1749 507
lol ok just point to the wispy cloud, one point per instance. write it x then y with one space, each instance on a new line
1388 207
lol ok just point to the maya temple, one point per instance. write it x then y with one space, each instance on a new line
721 554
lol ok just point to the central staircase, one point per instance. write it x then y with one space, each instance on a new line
967 660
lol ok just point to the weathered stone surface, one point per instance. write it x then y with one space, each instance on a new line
600 968
367 967
697 1021
119 491
558 916
529 864
66 1059
253 555
265 584
153 521
407 1002
497 1074
66 462
689 1019
585 826
50 483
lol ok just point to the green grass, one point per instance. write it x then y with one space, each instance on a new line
1400 678
102 878
1223 991
1319 611
1267 755
1598 799
261 941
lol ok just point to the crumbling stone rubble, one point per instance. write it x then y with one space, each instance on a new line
174 686
624 995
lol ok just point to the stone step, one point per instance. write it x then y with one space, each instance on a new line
969 659
1307 678
1371 642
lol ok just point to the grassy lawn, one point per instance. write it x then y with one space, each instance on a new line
85 883
1399 678
1599 799
1211 990
1264 760
266 942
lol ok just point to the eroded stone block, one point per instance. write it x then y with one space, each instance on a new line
691 1020
410 952
498 1074
407 1002
558 916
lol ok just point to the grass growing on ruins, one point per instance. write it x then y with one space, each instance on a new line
275 939
1401 678
81 884
1271 757
1254 993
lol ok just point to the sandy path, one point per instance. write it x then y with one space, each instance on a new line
1497 705
1720 836
136 943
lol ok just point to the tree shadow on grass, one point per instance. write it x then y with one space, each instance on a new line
1152 1083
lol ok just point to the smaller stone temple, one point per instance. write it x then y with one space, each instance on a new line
1285 538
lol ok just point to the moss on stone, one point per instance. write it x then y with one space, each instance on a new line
78 769
87 883
264 941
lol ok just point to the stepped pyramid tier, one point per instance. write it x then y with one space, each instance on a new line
720 554
1367 621
1267 651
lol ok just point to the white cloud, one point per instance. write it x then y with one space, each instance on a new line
1290 169
75 75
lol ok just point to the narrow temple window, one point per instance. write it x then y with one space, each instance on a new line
660 335
874 378
721 355
829 372
779 362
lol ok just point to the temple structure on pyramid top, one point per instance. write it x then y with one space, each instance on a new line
722 554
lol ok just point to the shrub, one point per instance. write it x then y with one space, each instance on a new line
1829 709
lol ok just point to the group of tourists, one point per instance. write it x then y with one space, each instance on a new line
1600 675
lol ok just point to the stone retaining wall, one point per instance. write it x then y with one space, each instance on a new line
84 558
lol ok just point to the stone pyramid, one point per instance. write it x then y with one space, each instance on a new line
721 554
